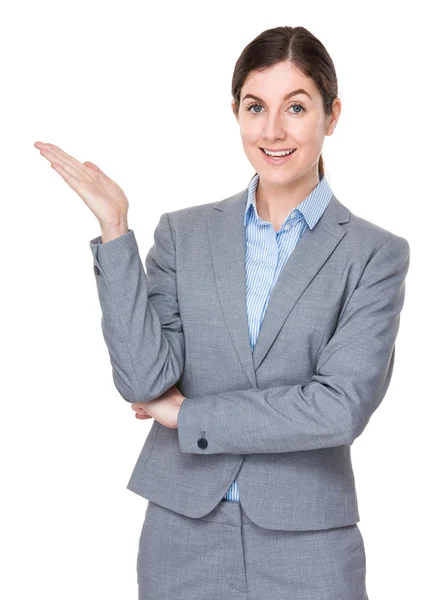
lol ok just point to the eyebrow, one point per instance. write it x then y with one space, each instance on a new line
286 97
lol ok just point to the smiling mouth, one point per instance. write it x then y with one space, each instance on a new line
280 156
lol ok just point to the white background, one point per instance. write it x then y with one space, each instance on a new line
143 91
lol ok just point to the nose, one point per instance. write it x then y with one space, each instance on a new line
273 128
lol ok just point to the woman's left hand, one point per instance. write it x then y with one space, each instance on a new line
164 409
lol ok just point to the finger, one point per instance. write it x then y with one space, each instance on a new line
63 156
60 160
141 412
71 165
91 165
71 180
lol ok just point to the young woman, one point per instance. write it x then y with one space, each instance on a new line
260 340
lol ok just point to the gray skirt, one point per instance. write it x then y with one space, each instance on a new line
224 555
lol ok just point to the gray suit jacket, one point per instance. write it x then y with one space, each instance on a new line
282 418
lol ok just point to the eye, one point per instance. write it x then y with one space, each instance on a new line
299 106
260 106
251 106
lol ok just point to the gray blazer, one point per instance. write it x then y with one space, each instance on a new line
282 418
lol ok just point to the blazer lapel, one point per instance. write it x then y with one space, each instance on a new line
226 233
228 245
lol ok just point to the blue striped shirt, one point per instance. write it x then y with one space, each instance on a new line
267 252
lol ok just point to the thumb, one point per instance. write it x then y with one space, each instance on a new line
92 166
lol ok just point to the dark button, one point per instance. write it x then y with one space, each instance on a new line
202 443
96 270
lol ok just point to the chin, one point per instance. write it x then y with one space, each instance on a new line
274 176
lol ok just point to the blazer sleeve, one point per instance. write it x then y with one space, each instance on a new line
140 321
352 376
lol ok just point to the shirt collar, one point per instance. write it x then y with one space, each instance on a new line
310 209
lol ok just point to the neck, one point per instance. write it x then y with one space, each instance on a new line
274 201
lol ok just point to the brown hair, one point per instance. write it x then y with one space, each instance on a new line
297 45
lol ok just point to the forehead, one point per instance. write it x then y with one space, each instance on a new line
278 80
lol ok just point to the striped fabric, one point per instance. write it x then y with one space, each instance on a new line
267 252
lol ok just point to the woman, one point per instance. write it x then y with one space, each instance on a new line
275 311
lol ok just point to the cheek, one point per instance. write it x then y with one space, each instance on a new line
250 146
310 139
249 134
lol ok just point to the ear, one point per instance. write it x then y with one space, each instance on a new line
233 104
335 112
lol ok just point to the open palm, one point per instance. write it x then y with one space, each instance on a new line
101 194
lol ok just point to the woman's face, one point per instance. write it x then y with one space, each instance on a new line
274 120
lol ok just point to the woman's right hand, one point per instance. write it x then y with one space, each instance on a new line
100 193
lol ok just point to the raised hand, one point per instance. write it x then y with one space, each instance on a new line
100 193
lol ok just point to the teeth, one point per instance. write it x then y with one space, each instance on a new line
278 153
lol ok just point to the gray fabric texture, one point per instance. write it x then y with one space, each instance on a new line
283 418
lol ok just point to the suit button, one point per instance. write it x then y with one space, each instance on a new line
202 443
96 270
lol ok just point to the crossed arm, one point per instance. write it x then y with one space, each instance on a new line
142 329
141 322
352 376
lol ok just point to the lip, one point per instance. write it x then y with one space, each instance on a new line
278 161
277 149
